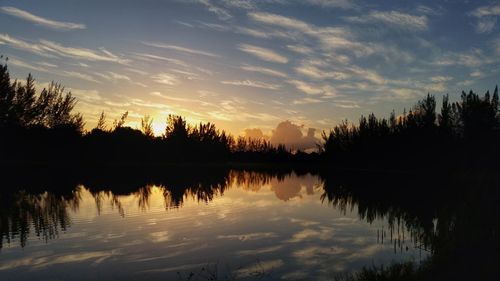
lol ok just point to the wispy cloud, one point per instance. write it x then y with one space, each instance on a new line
486 18
166 78
151 57
79 75
310 70
23 45
180 49
487 11
48 68
250 83
81 53
307 100
52 49
312 89
368 74
263 53
394 18
222 13
486 25
344 4
20 63
431 11
329 38
40 20
304 50
263 70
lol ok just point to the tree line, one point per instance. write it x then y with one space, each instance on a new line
43 127
465 131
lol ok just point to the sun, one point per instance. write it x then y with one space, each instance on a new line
158 128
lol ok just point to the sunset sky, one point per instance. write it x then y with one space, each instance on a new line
252 64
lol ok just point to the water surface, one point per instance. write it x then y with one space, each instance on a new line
243 225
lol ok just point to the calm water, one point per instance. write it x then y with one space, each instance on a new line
243 225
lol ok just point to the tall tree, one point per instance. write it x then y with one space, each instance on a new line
7 93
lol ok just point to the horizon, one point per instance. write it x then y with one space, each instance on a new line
245 65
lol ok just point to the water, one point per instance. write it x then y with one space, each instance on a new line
242 225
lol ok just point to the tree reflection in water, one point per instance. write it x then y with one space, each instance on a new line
452 215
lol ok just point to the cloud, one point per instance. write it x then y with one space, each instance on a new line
86 95
367 74
329 38
23 45
150 57
304 50
263 70
220 12
313 89
250 83
426 10
79 75
486 11
252 32
73 74
262 53
240 4
441 78
485 25
394 18
486 18
291 135
308 69
51 49
180 49
282 21
80 53
20 63
307 100
41 21
344 4
254 133
166 78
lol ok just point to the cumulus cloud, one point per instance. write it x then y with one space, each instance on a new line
255 133
41 21
263 53
291 135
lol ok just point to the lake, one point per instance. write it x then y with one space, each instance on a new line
236 224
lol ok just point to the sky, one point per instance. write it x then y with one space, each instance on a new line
247 64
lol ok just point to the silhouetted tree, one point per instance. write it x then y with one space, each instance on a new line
147 126
101 123
120 122
7 94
